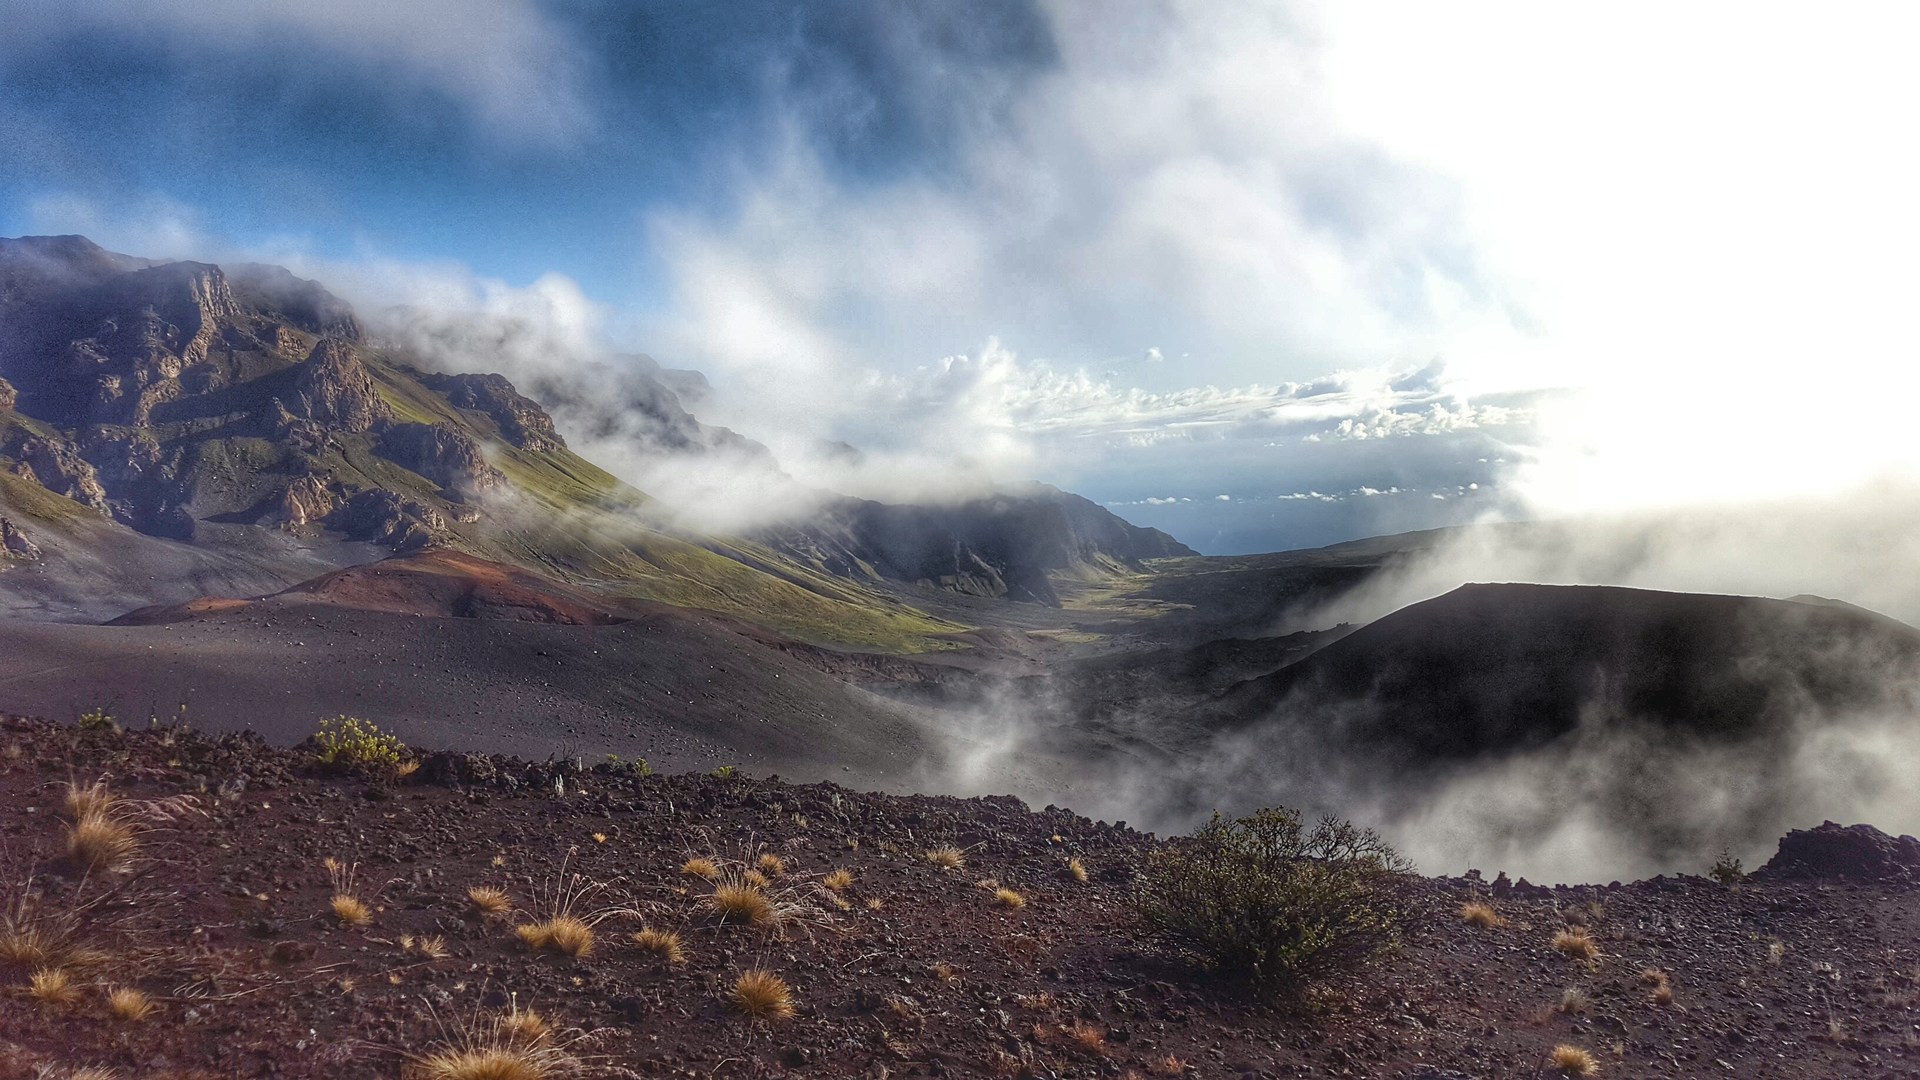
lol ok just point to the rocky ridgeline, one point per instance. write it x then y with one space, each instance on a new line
136 380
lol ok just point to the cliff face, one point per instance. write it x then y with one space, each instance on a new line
172 396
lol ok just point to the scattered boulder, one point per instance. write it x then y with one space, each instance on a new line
15 546
1858 853
304 501
9 397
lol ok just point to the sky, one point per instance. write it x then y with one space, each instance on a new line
1265 275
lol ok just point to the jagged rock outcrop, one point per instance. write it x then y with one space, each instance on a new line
520 419
15 546
383 517
57 466
9 397
306 500
334 389
1859 853
442 454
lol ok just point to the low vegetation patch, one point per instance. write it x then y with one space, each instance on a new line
1274 903
349 742
1576 944
1572 1061
1480 913
762 995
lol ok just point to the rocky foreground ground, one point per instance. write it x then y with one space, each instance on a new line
217 945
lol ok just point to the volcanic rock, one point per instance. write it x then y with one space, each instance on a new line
1859 853
335 389
56 465
442 454
520 419
9 397
14 544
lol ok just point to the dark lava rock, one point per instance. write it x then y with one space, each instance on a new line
1850 853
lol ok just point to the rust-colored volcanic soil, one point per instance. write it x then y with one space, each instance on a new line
222 917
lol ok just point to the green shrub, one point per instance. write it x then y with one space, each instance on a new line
351 742
727 772
98 720
1272 903
1726 869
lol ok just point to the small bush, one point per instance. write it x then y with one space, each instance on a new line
130 1005
1726 869
1007 898
664 944
1269 901
1480 913
352 743
484 900
98 720
838 880
726 772
947 857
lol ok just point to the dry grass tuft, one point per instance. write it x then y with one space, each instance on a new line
351 910
703 868
762 995
53 986
566 934
1088 1037
517 1045
1572 1061
130 1005
100 840
875 903
947 857
1573 1001
1652 976
756 879
662 943
90 800
1007 898
523 1027
1576 944
433 947
742 902
484 900
1480 913
772 865
1663 994
838 880
1776 952
1076 869
1168 1066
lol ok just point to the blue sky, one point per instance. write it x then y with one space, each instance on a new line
1352 267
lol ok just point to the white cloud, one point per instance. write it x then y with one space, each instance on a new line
505 60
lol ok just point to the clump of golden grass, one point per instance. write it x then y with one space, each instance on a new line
756 879
1480 913
1663 994
1576 944
517 1045
93 799
484 900
762 995
664 944
772 865
700 867
741 902
1572 1061
875 903
838 880
92 1072
1168 1066
560 921
53 986
1088 1037
944 972
565 934
522 1026
130 1004
350 910
346 904
599 838
1776 952
433 947
1573 1001
101 838
1007 898
1076 869
947 857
